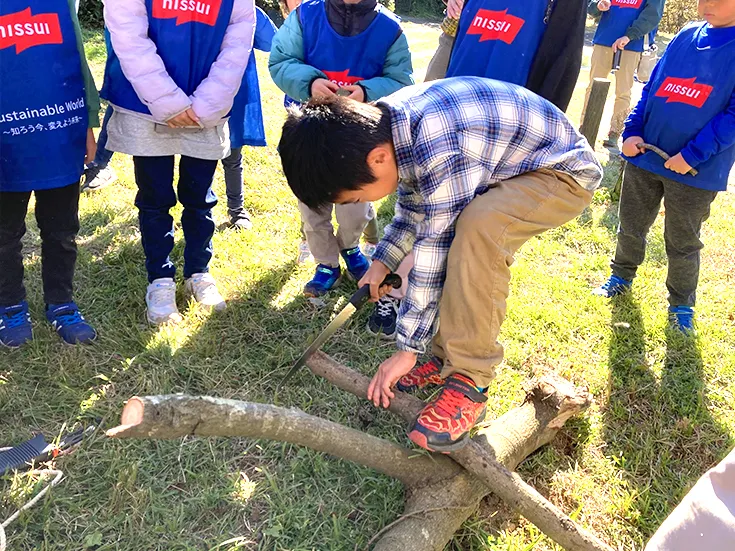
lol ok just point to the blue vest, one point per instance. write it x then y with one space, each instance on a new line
188 36
498 39
347 60
690 87
43 116
246 118
615 22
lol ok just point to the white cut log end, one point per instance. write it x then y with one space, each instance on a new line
132 415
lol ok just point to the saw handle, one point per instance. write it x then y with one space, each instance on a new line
363 293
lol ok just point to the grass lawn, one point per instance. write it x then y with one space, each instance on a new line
664 409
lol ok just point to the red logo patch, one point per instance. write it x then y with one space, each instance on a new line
342 78
496 25
188 11
627 3
24 30
684 90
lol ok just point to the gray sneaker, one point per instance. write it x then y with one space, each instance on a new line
241 220
612 141
98 176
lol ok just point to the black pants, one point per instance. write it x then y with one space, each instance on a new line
57 215
686 210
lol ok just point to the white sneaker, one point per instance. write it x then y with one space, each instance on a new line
204 290
304 253
160 298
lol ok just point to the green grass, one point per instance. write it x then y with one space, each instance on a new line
664 409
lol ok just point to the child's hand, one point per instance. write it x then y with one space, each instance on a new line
379 392
356 92
91 147
454 8
322 87
678 164
620 43
630 146
374 277
603 5
187 118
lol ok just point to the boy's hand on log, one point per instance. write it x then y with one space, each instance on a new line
620 43
374 277
379 392
603 5
186 119
678 164
630 146
91 147
322 87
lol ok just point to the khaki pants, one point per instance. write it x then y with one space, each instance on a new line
602 58
317 227
489 232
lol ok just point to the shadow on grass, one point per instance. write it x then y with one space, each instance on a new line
659 433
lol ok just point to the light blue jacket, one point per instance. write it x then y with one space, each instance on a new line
292 75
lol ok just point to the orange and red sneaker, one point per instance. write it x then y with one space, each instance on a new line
421 376
444 424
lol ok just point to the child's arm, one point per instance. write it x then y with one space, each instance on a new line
286 63
400 234
647 20
213 98
633 131
397 72
127 21
265 30
716 136
92 100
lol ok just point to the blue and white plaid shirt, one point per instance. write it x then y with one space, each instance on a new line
453 139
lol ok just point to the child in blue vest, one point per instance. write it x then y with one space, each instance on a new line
622 26
49 104
173 70
688 110
246 124
346 47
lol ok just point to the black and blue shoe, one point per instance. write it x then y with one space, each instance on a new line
357 263
69 323
613 287
681 318
15 325
383 319
325 278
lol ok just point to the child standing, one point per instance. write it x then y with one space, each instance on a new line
48 103
472 189
246 124
330 47
171 76
688 110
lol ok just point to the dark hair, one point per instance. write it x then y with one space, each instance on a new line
325 144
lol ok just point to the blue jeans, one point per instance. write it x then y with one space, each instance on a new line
154 177
103 156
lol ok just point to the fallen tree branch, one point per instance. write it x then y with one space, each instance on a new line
174 416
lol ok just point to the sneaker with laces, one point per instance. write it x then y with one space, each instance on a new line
304 252
383 319
681 318
421 376
357 263
325 278
368 249
241 220
15 325
613 287
69 323
203 289
96 177
160 300
444 424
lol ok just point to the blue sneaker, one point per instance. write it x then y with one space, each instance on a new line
681 318
69 323
357 263
324 279
15 325
613 287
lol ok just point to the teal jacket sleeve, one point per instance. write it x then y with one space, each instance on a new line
397 72
92 99
648 19
286 62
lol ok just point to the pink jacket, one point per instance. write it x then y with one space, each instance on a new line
127 21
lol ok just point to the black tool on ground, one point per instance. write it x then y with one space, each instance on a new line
616 60
37 450
356 302
661 153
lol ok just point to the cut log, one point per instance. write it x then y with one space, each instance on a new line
594 109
